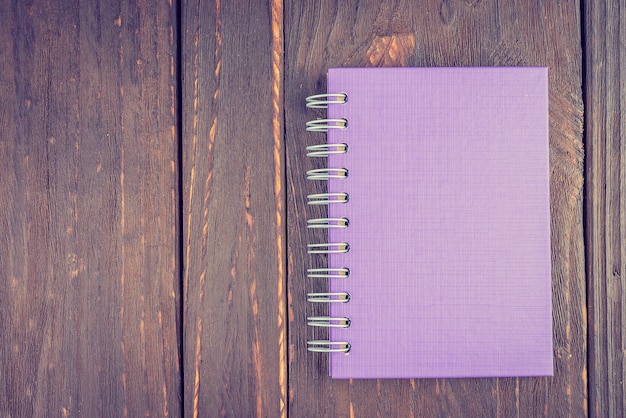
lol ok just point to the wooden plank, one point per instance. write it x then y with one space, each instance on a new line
233 223
448 33
605 64
89 276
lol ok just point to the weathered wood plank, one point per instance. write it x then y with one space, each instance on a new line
441 33
89 301
605 24
233 217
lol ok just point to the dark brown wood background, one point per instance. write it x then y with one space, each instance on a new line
152 215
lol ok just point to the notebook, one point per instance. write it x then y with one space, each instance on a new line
438 227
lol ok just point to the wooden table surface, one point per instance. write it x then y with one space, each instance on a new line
152 187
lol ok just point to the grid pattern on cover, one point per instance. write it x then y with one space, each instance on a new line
449 222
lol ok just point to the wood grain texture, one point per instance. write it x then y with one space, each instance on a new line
90 310
605 23
233 197
89 301
440 33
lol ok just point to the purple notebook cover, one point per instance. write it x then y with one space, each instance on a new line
449 222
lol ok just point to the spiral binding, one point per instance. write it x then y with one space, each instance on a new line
324 150
321 101
327 198
329 248
329 297
328 322
328 273
327 173
326 346
324 125
327 223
